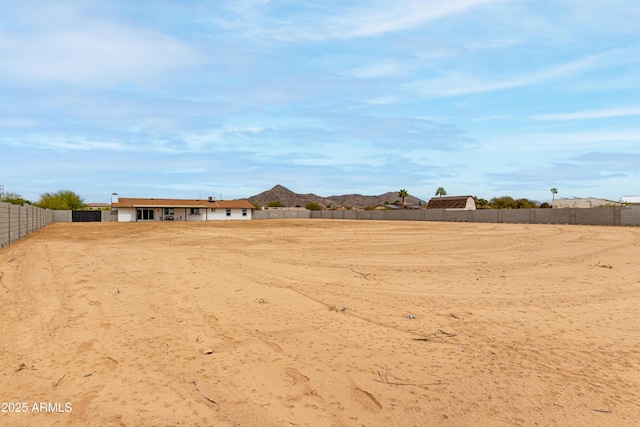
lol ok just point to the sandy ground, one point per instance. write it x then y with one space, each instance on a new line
321 323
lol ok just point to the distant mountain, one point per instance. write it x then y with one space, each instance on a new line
360 201
289 198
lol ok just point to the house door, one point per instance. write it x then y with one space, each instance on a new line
144 214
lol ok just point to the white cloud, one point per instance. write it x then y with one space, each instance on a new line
82 144
83 49
381 70
187 171
572 141
493 44
382 100
343 20
592 114
69 144
396 16
18 122
457 83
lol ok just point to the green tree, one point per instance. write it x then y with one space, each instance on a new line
275 204
441 192
526 204
312 206
61 200
508 202
554 191
14 198
403 194
504 202
481 202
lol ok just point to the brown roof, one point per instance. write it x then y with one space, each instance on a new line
181 203
451 202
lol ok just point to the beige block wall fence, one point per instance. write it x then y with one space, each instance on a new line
18 221
627 216
66 216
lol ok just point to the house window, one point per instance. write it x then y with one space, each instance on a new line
194 211
244 212
228 212
169 211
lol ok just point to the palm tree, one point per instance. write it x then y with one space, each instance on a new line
554 191
403 194
441 192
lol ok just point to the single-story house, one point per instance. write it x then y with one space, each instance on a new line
132 210
453 203
586 202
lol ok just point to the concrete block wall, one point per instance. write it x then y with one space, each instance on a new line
583 216
109 216
486 215
62 216
350 214
630 215
414 215
18 221
458 216
593 216
553 216
598 216
515 216
435 215
280 214
375 215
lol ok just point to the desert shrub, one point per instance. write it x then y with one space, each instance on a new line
14 198
61 200
481 202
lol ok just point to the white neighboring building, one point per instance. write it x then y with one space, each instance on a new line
133 210
633 200
588 202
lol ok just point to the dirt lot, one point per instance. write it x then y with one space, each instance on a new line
321 323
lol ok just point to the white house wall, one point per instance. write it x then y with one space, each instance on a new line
126 214
182 214
221 214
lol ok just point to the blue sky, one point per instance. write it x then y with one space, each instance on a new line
196 98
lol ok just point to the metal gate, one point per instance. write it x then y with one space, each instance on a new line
86 216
